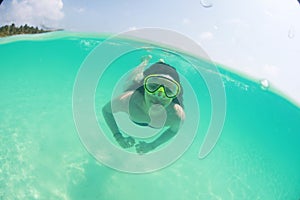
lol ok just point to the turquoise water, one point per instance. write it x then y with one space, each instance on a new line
42 156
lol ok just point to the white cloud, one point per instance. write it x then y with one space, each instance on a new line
186 21
206 35
237 22
79 10
34 12
132 28
234 21
269 13
270 71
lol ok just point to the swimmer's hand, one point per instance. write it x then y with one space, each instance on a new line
125 142
143 147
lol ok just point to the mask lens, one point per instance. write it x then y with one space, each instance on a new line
170 93
152 87
171 88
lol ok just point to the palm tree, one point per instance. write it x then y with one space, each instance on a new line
13 30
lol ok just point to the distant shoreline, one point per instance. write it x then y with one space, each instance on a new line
9 30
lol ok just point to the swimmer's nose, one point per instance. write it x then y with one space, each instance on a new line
160 92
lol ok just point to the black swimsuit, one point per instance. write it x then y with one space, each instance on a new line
141 123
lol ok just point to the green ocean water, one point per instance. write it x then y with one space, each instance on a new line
42 156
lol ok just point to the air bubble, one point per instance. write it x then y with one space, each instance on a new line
206 3
264 84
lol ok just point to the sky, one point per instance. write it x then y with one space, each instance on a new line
258 38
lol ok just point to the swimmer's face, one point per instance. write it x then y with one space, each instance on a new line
158 97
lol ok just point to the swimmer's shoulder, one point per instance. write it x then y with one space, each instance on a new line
176 115
179 111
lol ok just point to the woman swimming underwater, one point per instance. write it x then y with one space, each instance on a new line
154 88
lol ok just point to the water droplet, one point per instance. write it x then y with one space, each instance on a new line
206 3
291 33
264 84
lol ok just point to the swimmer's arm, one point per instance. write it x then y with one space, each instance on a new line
109 118
119 105
177 118
172 130
144 147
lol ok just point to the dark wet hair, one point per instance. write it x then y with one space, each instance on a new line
163 68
